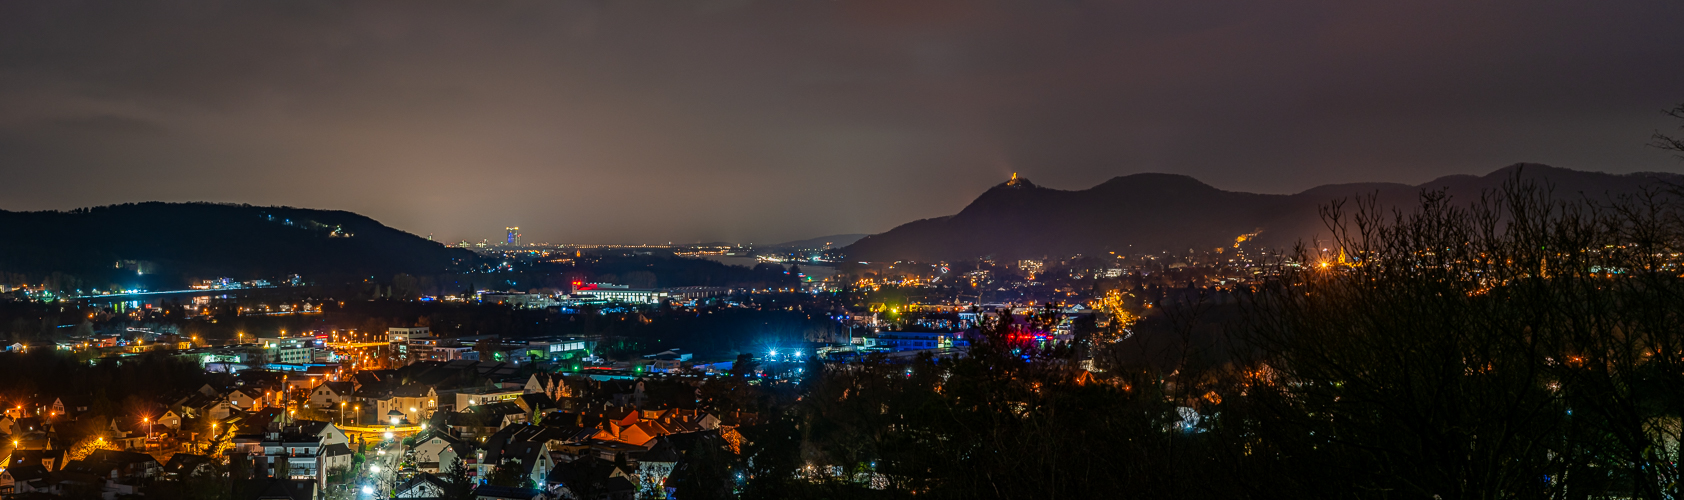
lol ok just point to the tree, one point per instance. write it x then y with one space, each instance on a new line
206 484
706 471
459 486
509 475
1518 347
1671 143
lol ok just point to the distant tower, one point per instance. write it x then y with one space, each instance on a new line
511 236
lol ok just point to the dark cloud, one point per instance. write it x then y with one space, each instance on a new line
654 120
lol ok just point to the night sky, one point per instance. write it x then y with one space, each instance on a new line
685 120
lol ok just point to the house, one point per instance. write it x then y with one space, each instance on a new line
638 434
464 451
429 444
500 414
184 465
330 394
244 398
298 451
469 397
509 448
327 431
333 458
25 479
423 485
112 473
170 419
127 464
198 405
274 489
492 492
655 465
535 404
468 425
50 459
68 406
415 402
594 478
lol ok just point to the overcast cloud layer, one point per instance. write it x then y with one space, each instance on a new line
657 120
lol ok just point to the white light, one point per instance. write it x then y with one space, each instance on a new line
374 468
368 490
388 434
772 354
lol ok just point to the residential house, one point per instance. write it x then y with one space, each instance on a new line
50 459
330 394
478 396
503 413
70 406
423 485
467 425
23 479
492 492
244 398
655 465
274 489
299 452
170 419
112 473
416 402
127 464
333 458
184 465
536 405
328 432
508 448
428 445
592 476
464 451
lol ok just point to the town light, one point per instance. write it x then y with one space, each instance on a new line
374 468
368 490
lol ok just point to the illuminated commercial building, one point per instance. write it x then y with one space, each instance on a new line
605 292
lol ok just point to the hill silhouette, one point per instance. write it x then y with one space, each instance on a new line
166 243
1165 212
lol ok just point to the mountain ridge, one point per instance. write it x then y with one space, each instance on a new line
176 242
1151 212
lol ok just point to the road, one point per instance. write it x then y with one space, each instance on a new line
386 456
